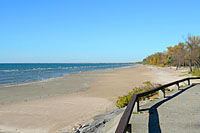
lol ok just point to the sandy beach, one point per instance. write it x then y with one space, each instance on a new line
61 103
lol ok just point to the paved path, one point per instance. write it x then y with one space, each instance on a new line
178 113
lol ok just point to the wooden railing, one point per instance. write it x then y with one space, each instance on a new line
124 121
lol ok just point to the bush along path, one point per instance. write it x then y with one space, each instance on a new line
123 101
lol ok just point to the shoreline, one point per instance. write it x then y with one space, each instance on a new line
64 111
52 78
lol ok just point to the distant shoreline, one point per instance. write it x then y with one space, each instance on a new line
56 70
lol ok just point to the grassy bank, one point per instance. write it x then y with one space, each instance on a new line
123 101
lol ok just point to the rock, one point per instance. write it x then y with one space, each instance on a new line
97 125
79 126
85 125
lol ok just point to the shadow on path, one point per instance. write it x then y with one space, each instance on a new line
154 124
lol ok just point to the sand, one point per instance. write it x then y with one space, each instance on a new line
61 103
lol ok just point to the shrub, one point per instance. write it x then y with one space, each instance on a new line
123 101
196 72
161 65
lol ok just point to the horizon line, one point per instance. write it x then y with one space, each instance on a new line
67 63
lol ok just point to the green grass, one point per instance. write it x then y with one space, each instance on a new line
196 72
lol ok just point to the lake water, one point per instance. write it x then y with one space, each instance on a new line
20 73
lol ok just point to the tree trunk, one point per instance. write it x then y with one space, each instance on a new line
190 65
176 67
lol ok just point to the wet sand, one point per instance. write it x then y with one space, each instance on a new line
59 104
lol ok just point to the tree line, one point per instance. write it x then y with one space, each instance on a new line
183 54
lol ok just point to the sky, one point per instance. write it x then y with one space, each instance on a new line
93 31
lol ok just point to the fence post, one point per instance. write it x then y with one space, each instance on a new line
163 90
162 93
188 81
128 129
137 106
178 85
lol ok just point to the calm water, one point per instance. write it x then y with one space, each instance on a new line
19 73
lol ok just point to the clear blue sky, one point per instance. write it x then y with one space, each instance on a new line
93 30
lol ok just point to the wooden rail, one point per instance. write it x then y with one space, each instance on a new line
124 121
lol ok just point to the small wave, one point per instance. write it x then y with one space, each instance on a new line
7 79
65 68
12 70
36 69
